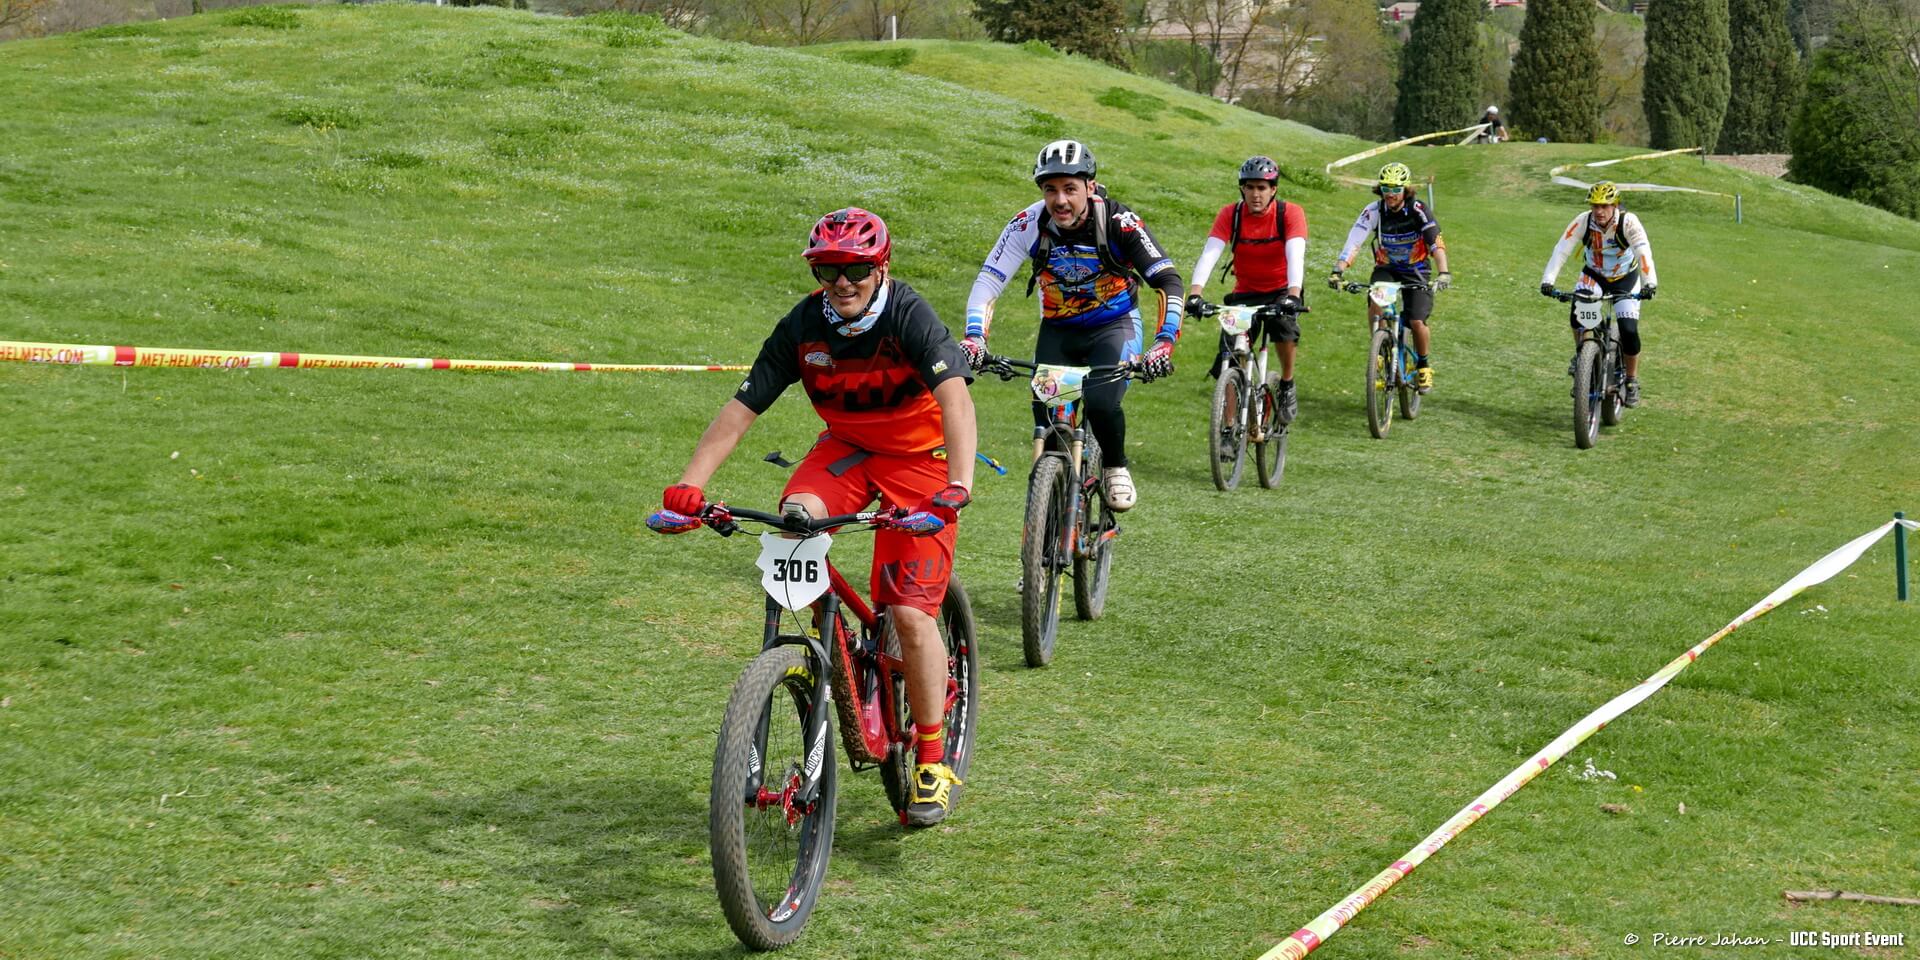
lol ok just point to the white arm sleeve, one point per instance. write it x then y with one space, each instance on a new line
1296 261
1008 255
1637 238
1564 249
1357 236
1209 257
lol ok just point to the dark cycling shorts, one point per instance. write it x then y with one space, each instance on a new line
1283 327
1414 304
1113 343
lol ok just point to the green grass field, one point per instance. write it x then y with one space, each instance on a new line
343 664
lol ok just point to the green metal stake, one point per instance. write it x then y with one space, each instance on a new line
1900 553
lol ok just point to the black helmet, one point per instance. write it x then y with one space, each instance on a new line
1260 168
1063 158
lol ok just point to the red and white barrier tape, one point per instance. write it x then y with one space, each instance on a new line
108 356
1306 939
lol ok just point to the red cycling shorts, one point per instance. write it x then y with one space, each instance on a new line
907 570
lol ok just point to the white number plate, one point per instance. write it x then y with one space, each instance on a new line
1237 320
1586 314
1058 386
794 572
1384 293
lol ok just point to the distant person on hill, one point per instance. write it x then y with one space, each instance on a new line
891 384
1265 239
1405 239
1618 260
1496 128
1086 251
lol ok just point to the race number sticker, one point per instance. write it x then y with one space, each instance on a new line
1586 313
1237 320
794 572
1058 386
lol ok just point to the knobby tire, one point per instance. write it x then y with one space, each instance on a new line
1041 541
763 867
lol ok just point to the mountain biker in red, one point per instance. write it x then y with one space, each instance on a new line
1618 259
891 384
1268 241
1405 237
1085 251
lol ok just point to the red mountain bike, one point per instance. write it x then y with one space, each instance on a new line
770 820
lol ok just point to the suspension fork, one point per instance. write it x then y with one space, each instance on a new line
817 723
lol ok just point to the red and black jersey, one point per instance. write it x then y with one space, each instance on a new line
875 389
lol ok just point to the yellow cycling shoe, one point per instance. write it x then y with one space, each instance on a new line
931 797
1423 379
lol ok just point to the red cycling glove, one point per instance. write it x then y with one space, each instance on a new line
684 499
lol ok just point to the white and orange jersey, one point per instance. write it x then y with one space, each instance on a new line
1610 254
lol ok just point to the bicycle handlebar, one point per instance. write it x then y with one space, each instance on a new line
1006 368
1354 286
1568 296
725 521
1213 309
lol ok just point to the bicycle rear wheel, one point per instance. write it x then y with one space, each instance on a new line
1226 435
1613 399
1093 553
1380 368
963 715
1588 382
1270 454
769 846
1042 561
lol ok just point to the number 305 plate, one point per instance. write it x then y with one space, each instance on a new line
794 572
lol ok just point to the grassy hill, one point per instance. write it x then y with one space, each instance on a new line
354 664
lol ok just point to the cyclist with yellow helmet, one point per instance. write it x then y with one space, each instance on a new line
1618 260
1405 239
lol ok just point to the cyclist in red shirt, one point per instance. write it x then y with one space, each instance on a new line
1268 237
891 383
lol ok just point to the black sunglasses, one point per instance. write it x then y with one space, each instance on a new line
827 273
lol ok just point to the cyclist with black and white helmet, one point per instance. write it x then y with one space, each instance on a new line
1405 240
1265 239
1618 259
1496 130
1086 252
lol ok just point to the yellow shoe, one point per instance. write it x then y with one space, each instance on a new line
931 797
1423 379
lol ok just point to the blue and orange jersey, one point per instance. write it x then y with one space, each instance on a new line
1403 239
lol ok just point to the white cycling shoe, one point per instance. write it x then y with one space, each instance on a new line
1119 484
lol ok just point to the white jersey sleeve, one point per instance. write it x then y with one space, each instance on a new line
1362 228
1636 237
1296 261
1209 257
1564 249
1003 263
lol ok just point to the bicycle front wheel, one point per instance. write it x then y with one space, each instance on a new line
770 842
1270 454
1589 381
1093 550
1226 435
1380 370
1042 553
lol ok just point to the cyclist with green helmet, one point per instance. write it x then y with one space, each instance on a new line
1405 239
1618 259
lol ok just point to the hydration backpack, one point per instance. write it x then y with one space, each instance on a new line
1097 209
1279 232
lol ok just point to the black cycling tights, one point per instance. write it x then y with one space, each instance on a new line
1092 347
1629 335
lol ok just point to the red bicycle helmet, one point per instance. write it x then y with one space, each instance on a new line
850 235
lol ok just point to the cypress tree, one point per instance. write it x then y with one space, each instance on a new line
1440 69
1687 77
1556 75
1854 135
1090 28
1766 78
